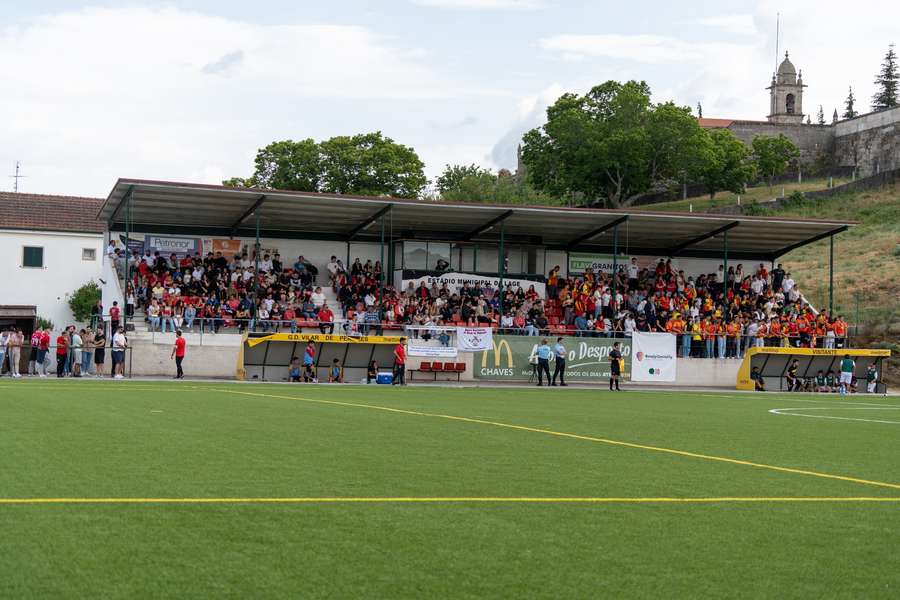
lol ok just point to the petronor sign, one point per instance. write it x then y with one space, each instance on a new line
509 359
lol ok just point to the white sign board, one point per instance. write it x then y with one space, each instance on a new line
653 357
474 339
455 282
414 348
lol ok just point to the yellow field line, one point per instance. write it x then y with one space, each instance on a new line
448 500
588 438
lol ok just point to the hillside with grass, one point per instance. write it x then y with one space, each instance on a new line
866 259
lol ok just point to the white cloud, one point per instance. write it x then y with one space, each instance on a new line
640 48
484 4
734 24
139 92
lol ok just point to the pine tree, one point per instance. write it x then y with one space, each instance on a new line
849 111
887 82
821 116
699 110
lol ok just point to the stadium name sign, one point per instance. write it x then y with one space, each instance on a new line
509 358
456 281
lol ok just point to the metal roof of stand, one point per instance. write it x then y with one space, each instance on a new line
211 210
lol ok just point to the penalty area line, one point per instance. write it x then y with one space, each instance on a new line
456 500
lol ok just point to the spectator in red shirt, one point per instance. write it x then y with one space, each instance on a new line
178 352
62 348
326 319
114 313
400 363
43 348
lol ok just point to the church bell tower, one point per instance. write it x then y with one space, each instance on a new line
786 95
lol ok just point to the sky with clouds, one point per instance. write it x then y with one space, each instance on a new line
187 90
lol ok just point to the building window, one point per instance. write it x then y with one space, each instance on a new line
789 104
88 254
33 257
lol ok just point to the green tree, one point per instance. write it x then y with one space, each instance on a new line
454 174
820 116
849 110
887 82
773 154
467 184
365 164
82 300
729 167
612 145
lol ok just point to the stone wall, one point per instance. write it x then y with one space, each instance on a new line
870 142
813 141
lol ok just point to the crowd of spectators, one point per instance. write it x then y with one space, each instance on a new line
715 315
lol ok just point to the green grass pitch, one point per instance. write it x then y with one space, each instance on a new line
454 492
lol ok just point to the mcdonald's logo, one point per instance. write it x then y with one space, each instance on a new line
498 354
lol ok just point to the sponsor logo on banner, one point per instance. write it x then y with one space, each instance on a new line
654 355
227 247
474 339
171 245
427 351
456 281
507 358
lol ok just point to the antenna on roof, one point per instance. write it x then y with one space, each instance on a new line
16 178
777 38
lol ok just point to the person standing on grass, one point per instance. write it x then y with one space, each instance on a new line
32 357
559 352
871 378
87 351
178 351
99 352
62 350
615 366
14 353
847 369
4 344
43 350
544 353
77 344
400 363
119 345
309 362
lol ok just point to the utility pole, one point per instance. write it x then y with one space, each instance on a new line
16 178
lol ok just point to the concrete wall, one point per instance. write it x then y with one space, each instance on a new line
217 357
870 142
63 272
812 140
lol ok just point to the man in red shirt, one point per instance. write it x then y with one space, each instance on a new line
326 319
62 348
400 363
43 348
114 313
178 353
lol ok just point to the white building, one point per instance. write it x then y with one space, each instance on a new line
49 247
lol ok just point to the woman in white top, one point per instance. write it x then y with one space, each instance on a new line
318 298
77 343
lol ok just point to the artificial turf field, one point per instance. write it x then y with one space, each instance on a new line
428 492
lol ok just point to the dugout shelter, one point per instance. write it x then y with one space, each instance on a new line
773 364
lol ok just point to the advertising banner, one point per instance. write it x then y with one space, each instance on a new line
323 339
474 339
417 348
171 245
587 359
455 282
654 357
580 261
226 246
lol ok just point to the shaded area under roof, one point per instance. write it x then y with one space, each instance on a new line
211 210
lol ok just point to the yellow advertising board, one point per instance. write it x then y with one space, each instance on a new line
324 338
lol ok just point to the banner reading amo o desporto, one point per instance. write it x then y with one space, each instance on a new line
587 359
654 357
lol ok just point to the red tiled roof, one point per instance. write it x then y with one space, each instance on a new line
714 123
50 213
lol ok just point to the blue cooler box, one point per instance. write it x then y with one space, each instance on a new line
385 378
